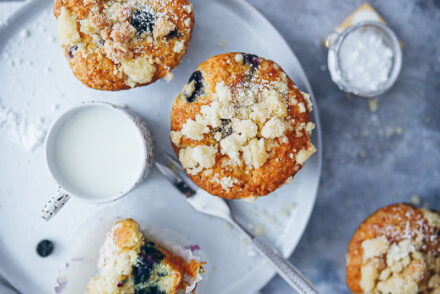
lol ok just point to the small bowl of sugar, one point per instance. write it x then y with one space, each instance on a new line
365 59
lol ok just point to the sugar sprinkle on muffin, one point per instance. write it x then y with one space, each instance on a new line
119 44
240 126
396 250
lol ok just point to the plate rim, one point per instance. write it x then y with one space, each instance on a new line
262 276
269 273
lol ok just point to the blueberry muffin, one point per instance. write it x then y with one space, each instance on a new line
130 264
240 126
120 44
396 251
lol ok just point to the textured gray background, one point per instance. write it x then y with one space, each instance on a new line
370 158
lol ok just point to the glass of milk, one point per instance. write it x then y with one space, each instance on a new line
97 152
365 59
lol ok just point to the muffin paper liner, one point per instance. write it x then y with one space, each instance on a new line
82 265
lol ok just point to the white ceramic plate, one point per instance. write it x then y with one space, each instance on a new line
36 83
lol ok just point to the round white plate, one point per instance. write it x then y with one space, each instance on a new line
36 85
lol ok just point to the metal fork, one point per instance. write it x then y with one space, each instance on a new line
216 206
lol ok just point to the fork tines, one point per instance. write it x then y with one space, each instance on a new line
170 167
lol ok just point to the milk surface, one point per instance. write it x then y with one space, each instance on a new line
98 152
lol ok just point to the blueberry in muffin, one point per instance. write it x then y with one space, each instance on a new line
128 263
120 44
240 127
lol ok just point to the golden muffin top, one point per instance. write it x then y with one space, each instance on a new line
118 44
396 250
240 126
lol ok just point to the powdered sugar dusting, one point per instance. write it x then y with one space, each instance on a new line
404 253
21 129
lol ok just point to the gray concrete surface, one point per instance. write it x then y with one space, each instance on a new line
371 159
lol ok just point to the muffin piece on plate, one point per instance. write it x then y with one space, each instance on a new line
240 126
119 44
396 251
130 264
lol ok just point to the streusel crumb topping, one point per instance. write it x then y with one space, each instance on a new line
403 258
241 120
155 33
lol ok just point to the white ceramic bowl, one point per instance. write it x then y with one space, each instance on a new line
334 58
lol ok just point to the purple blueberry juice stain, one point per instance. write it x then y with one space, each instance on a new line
62 283
193 247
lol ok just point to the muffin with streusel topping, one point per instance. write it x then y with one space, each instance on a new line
396 251
120 44
240 127
129 263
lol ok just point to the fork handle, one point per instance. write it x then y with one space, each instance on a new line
284 268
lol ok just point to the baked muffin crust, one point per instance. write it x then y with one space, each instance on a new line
130 264
396 250
240 126
119 44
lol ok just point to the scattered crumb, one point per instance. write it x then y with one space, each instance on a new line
391 131
168 77
365 133
250 199
372 104
427 120
289 180
415 199
271 219
258 229
362 154
222 44
25 33
287 209
251 251
228 226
